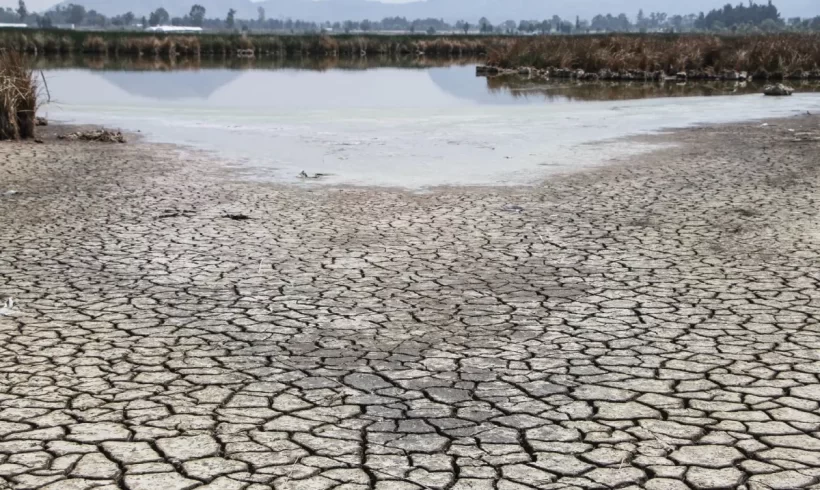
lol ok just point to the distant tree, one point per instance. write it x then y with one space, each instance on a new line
197 15
466 28
22 11
230 21
431 31
485 26
159 17
509 26
677 22
729 16
128 18
577 23
75 14
144 21
94 18
260 14
366 25
45 22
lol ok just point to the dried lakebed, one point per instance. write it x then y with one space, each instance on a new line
650 324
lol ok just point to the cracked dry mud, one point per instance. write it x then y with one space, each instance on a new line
651 324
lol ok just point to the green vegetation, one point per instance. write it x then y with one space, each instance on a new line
18 97
769 56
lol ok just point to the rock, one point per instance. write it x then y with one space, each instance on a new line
40 121
101 135
486 70
778 90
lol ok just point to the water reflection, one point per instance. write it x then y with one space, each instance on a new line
452 76
540 90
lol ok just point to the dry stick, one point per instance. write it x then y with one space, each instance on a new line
45 83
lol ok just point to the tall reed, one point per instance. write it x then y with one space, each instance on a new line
18 97
762 54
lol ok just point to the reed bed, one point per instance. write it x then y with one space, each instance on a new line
18 97
152 63
51 42
766 56
762 55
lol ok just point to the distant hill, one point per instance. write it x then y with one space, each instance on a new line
449 10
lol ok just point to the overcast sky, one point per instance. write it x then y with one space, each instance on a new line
787 7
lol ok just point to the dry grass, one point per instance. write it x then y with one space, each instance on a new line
18 97
130 43
770 54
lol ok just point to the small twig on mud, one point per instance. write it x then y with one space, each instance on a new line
664 445
292 469
45 83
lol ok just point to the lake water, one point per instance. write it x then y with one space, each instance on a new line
402 127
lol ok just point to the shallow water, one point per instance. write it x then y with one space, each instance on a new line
387 126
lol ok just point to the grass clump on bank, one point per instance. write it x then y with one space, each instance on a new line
18 97
764 56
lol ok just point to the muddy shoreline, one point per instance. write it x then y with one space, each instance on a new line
651 323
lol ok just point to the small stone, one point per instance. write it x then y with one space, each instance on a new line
777 90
